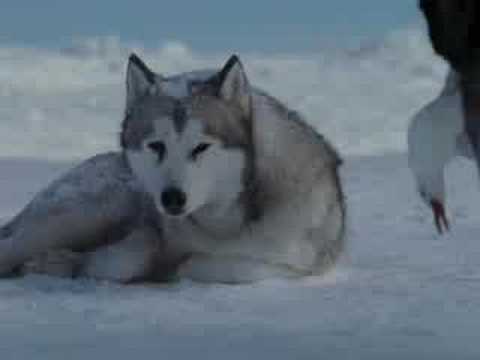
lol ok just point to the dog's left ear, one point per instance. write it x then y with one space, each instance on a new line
231 84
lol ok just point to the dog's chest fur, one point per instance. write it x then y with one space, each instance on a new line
202 231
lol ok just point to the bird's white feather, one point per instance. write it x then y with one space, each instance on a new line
435 136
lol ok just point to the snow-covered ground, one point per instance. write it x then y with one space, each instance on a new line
401 292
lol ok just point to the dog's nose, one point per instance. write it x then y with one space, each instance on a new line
174 200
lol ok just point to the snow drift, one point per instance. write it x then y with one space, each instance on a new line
68 103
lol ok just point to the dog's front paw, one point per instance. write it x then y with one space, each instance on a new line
232 270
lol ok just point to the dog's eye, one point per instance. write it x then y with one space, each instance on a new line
158 148
199 150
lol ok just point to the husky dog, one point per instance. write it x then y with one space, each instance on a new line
216 181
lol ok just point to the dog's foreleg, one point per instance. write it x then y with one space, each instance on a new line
130 259
232 270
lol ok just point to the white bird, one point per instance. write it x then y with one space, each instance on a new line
436 135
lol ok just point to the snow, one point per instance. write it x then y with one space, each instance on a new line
400 292
361 98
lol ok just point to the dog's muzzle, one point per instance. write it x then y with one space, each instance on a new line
174 201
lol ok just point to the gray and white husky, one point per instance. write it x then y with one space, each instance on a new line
216 181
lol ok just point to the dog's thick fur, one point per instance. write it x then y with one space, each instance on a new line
259 189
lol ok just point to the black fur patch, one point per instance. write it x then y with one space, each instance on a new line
179 117
453 27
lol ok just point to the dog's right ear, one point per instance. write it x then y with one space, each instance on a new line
140 79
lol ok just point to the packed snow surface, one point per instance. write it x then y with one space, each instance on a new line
400 292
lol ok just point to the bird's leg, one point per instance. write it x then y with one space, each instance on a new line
441 221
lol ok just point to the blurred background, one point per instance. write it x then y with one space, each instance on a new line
357 69
211 25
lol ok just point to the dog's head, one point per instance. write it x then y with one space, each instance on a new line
188 152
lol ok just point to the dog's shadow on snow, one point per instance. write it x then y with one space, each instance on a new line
50 285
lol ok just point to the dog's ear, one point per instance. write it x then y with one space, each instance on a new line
140 79
231 84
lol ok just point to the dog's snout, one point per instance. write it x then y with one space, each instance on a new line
174 200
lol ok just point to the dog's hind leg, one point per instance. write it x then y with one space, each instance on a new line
78 211
131 258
